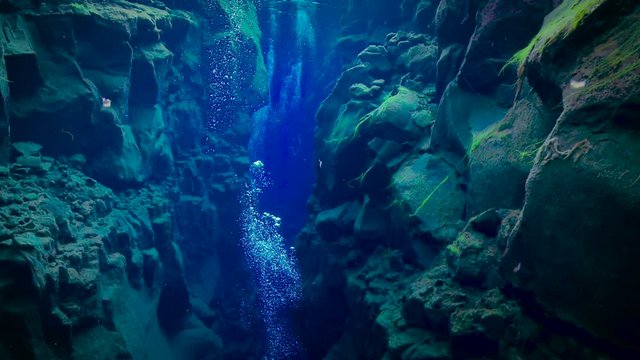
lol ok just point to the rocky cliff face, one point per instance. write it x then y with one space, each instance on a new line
477 181
106 188
475 203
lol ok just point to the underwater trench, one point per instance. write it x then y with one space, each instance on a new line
281 150
319 179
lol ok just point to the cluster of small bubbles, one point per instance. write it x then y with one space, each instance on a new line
275 268
227 69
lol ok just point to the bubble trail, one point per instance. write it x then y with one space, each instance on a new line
275 268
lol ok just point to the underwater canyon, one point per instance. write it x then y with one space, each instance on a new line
319 179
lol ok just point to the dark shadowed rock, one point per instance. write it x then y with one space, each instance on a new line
427 189
575 245
333 223
448 64
504 154
502 28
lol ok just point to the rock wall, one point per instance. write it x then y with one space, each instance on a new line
475 203
118 194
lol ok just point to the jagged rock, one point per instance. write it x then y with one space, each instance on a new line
372 222
454 21
474 255
117 90
420 59
333 223
173 303
425 13
431 300
478 331
331 107
581 175
376 60
427 186
447 66
361 91
502 28
504 154
392 120
463 118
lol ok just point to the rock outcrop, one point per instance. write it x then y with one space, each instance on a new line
470 202
111 238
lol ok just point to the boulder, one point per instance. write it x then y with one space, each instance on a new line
393 119
575 247
504 154
427 189
463 119
502 28
478 331
361 91
454 21
474 256
372 223
447 66
376 59
338 221
420 59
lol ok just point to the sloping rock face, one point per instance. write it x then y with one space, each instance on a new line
473 203
112 241
587 165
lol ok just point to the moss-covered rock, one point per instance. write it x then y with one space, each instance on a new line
579 268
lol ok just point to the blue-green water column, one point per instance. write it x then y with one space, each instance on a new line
275 268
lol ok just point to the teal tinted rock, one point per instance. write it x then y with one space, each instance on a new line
27 148
392 120
435 350
333 223
420 59
473 255
29 161
376 59
501 161
361 91
30 241
372 222
428 187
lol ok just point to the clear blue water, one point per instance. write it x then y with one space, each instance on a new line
283 129
282 174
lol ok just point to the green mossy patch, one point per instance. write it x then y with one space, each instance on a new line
614 64
561 22
463 241
393 119
493 131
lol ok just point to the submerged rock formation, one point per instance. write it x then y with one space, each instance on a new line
112 244
477 190
473 203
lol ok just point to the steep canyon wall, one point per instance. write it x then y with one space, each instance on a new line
477 184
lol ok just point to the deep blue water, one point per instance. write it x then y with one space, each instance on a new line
284 140
281 150
282 174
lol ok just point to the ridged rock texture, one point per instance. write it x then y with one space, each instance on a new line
106 188
477 188
477 191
